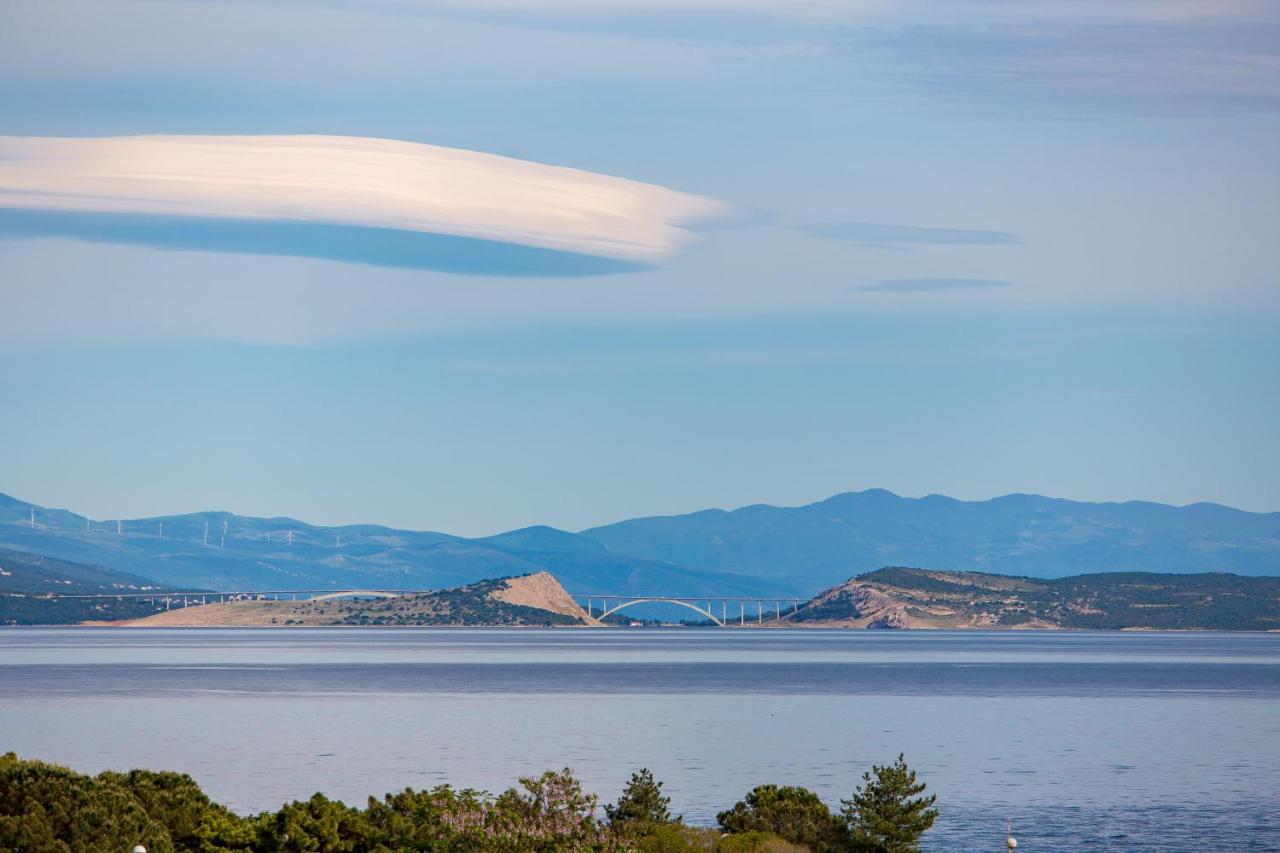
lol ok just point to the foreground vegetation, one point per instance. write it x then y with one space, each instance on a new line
49 809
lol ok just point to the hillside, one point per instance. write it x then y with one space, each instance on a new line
35 574
27 582
817 545
918 598
530 600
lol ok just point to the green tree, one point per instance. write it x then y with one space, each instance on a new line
317 825
223 831
195 824
434 821
642 806
49 809
792 813
887 813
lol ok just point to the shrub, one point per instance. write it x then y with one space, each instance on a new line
547 813
794 814
678 838
758 842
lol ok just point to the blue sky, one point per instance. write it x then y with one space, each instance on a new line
976 247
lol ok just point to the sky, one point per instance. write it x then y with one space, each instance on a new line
471 266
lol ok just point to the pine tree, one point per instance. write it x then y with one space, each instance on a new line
794 814
887 813
641 806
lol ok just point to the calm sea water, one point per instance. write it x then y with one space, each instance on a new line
1089 741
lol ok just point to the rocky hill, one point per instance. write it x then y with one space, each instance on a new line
529 600
918 598
39 590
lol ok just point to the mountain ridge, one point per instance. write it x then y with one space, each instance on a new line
1018 533
757 549
281 553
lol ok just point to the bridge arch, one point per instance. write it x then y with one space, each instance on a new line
355 593
695 608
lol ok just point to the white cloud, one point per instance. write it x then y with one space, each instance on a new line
351 181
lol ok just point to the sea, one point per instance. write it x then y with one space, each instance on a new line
1083 740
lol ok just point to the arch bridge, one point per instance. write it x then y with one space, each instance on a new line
732 609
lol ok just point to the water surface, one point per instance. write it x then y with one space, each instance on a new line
1143 741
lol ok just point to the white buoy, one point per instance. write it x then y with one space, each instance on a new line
1009 841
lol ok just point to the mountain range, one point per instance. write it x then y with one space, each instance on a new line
755 550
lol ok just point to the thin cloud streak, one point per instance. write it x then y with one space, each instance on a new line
348 182
931 285
878 235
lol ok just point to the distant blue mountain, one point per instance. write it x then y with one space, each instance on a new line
755 550
824 543
248 553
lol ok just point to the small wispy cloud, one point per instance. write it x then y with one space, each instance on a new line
1162 59
931 285
878 235
388 202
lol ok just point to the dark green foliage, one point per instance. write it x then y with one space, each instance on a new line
642 807
194 823
50 809
421 821
887 813
318 824
792 813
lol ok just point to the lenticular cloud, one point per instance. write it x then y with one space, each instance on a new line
350 182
